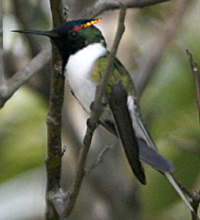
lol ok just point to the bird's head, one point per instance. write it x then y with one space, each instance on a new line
72 36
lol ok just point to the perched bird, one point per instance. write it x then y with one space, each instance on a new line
84 56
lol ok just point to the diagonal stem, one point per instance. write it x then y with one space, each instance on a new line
95 114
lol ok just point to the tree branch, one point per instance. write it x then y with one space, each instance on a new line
54 148
100 6
57 11
11 85
195 196
95 114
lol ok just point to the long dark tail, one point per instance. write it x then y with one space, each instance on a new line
118 104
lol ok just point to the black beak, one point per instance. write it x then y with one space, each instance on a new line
49 34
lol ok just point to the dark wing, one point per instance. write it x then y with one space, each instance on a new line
138 133
123 122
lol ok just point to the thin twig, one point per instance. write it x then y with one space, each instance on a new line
194 68
195 196
95 114
99 158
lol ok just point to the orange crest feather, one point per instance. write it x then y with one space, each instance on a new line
88 24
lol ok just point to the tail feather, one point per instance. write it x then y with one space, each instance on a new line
118 104
179 191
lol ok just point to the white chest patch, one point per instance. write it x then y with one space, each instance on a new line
78 73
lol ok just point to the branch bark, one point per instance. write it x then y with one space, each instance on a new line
58 12
54 148
100 6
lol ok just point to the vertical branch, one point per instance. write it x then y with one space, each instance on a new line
94 118
54 149
57 9
195 195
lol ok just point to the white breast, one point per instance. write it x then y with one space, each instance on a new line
78 73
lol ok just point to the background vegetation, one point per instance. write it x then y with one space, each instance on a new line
168 103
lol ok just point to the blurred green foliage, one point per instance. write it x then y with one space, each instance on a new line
168 105
22 133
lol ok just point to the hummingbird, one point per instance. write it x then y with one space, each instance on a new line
84 58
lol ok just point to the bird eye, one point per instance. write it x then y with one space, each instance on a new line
73 34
